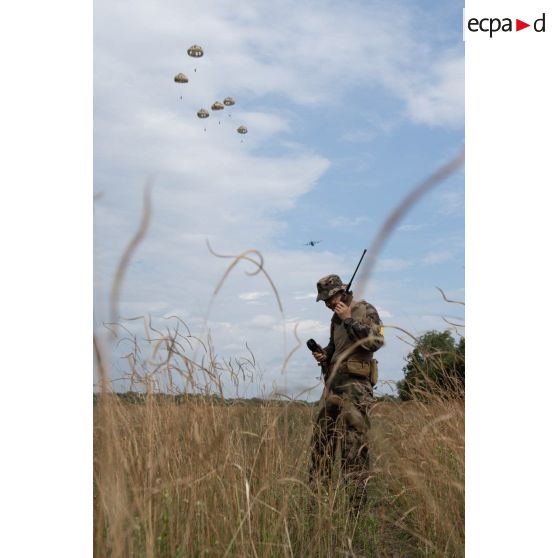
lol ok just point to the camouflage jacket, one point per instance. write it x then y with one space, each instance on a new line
364 323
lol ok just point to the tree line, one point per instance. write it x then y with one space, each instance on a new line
436 365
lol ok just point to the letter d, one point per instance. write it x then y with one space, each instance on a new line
537 21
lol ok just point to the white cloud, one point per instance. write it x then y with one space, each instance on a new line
264 320
306 296
128 308
451 201
440 99
393 264
358 136
411 227
340 222
254 295
437 257
304 326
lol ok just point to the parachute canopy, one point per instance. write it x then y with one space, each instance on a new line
202 113
217 106
228 101
180 78
242 130
195 51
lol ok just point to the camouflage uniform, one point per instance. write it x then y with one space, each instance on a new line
344 414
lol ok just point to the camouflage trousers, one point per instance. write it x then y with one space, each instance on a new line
343 421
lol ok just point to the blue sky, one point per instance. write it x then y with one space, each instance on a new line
348 107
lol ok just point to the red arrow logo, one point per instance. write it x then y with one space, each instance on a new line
519 25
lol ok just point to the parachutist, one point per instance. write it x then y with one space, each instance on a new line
229 102
195 51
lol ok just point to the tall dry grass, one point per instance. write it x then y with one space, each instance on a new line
205 476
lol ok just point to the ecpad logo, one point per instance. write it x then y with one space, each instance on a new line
493 25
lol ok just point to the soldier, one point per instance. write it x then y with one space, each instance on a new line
349 372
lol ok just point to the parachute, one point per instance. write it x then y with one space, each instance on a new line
217 106
180 78
195 51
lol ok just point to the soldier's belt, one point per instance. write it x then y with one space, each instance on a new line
361 369
354 367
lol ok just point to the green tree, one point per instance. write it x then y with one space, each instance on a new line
435 365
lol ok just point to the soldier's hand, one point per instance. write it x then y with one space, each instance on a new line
342 310
319 356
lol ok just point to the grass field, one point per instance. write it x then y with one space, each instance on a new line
203 478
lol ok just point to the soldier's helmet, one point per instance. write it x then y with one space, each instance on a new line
328 286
